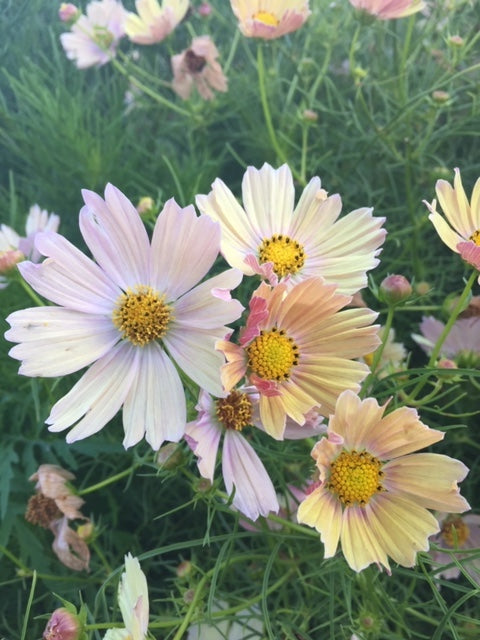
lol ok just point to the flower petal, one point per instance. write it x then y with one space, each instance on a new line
323 511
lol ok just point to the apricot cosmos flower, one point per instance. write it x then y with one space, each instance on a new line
297 349
128 315
269 19
388 9
198 67
373 491
271 238
461 231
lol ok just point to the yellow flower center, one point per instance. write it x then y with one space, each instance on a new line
368 358
355 477
454 531
272 354
475 237
267 18
141 315
102 36
287 255
234 411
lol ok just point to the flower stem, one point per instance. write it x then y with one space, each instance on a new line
107 481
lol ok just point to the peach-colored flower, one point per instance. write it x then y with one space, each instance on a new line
461 231
297 349
69 547
388 9
374 492
52 482
154 22
269 19
198 67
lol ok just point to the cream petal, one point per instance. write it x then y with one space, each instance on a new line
97 396
446 233
242 468
314 213
354 419
272 415
184 248
429 479
268 197
155 404
359 544
455 205
323 511
56 341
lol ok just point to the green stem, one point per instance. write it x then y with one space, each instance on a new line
38 301
29 606
446 330
107 481
15 560
266 111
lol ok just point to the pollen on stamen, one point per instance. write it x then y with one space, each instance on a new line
267 18
234 411
286 254
272 355
141 315
355 477
475 237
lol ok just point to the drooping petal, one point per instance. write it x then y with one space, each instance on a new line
155 404
323 511
97 396
359 545
242 468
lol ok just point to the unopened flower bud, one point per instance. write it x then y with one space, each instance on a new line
8 259
188 596
422 288
169 456
395 288
310 115
456 41
86 531
440 97
62 625
445 363
145 205
204 9
184 569
68 12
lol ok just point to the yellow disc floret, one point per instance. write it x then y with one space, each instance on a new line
455 531
475 237
234 411
287 255
267 18
141 315
355 477
272 354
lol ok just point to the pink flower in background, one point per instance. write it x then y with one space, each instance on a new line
15 248
154 22
68 12
463 339
461 231
198 67
297 349
94 37
242 469
63 625
129 315
388 9
272 238
374 491
457 533
270 19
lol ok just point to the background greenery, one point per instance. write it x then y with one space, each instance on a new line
382 138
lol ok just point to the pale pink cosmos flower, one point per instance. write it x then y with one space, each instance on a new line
242 469
389 9
457 533
298 349
93 38
154 22
272 238
462 342
15 248
374 492
198 67
128 317
461 231
268 19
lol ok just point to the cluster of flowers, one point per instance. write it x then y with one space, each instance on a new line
143 309
95 35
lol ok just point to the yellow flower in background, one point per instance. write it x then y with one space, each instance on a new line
154 22
374 492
